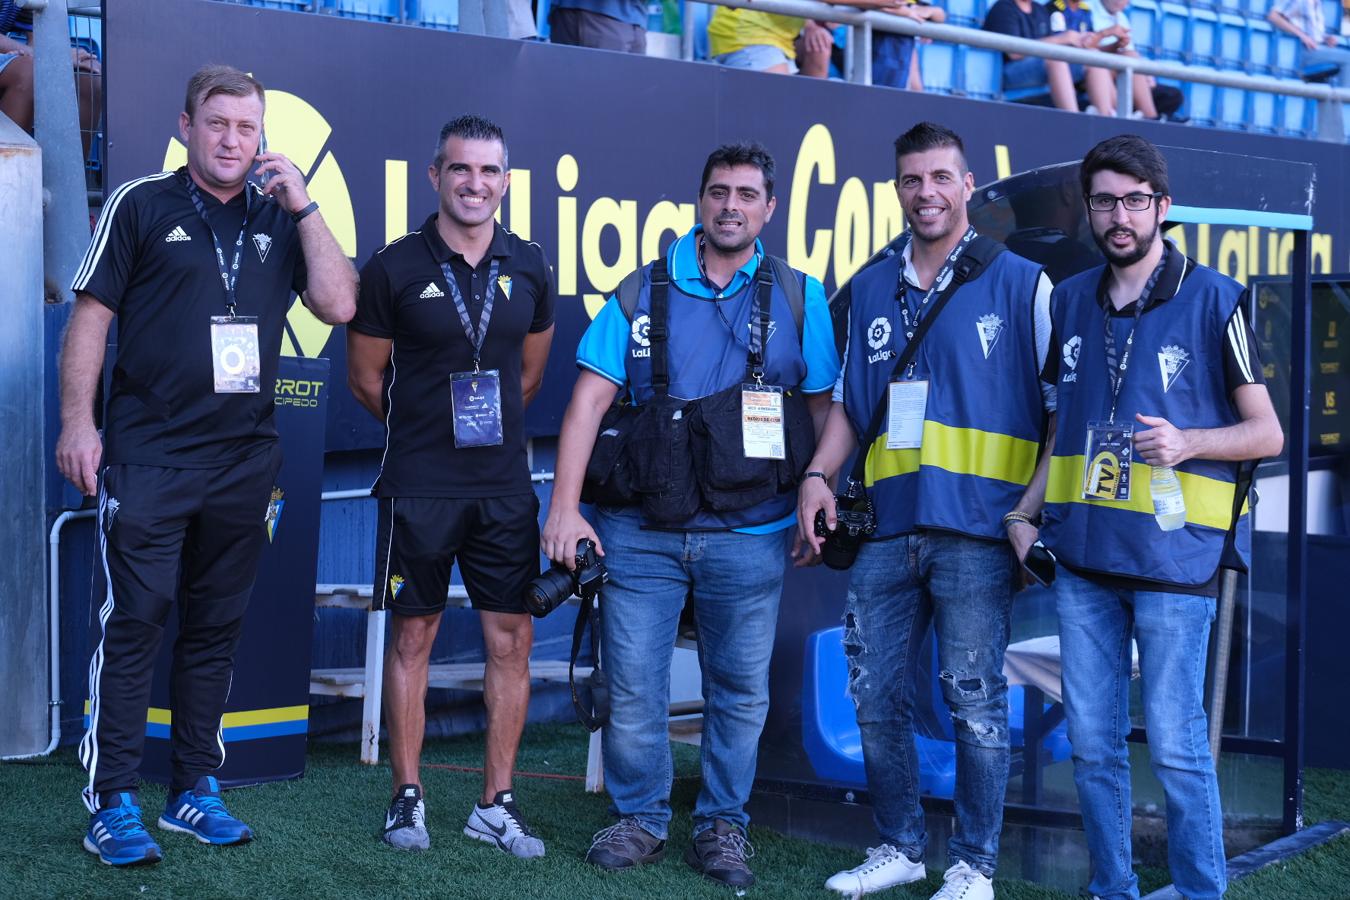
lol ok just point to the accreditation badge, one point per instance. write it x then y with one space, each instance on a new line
1106 467
906 403
235 359
476 403
762 421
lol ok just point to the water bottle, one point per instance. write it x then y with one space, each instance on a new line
1169 506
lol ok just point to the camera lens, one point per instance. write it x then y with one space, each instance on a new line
549 591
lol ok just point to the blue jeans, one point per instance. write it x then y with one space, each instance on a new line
964 587
891 54
1172 631
735 580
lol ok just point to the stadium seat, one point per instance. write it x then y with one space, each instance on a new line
1260 47
983 71
1204 42
965 12
1294 114
938 64
1332 11
1232 108
1286 54
1261 111
1258 8
1144 26
442 14
1202 99
1174 31
1232 41
370 10
278 4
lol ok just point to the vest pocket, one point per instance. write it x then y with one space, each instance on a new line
662 462
729 480
609 475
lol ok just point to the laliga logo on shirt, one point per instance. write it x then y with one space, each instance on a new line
878 336
1071 348
300 132
641 325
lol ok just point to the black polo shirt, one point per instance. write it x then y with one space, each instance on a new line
151 261
404 298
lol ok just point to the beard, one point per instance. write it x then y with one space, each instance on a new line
1123 258
729 247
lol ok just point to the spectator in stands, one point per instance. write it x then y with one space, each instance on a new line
1107 22
16 74
601 24
1030 20
767 42
16 82
1305 20
895 57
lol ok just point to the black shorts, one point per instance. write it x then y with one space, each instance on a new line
495 540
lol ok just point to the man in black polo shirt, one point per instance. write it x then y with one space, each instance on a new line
449 342
190 449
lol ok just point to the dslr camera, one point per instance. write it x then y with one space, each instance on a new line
551 589
856 520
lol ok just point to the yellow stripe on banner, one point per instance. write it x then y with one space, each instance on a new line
1209 501
157 716
961 451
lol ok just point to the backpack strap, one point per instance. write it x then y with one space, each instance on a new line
791 283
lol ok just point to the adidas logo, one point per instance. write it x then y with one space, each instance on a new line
178 234
431 291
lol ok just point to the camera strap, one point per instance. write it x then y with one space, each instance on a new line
978 254
597 716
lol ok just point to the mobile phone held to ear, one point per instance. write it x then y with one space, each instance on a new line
1039 564
262 151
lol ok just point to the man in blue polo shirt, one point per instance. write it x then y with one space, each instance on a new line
739 325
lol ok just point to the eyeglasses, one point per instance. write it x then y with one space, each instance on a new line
1133 202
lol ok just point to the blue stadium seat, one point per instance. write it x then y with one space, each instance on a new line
1232 109
965 12
1261 111
1202 100
1204 43
1258 8
938 64
277 4
1294 116
442 14
1260 47
1286 54
1144 29
983 73
370 10
1232 41
1175 31
1331 11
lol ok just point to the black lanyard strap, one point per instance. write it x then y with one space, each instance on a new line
229 277
1115 370
913 313
477 335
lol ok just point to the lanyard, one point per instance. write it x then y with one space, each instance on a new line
478 335
1116 372
912 314
228 277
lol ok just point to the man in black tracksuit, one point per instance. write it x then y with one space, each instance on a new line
199 268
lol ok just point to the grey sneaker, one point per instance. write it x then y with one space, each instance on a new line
720 853
625 845
502 824
405 825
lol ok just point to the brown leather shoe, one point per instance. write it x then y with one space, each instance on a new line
719 853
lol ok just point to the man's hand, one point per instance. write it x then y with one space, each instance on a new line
84 61
1163 444
79 451
813 496
1330 40
1307 42
802 554
563 530
1022 536
285 182
816 38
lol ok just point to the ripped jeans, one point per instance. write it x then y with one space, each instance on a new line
964 586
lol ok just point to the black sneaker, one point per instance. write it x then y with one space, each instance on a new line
719 853
625 845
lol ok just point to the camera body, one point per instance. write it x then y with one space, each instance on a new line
551 589
855 521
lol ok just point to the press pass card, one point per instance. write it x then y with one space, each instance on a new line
906 403
762 421
235 360
1106 467
476 400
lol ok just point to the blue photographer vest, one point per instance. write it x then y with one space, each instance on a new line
706 349
984 417
1176 371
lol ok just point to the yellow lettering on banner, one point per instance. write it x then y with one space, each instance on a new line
621 215
1321 252
888 219
1002 163
851 230
1178 235
1279 248
395 199
1254 252
568 174
519 195
1233 255
815 155
664 216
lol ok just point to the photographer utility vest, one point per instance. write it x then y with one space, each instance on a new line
1176 371
710 351
984 416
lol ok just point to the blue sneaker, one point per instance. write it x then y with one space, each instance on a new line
117 836
201 813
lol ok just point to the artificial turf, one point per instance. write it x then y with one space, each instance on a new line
317 838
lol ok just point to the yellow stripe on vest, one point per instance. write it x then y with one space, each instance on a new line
961 451
1209 501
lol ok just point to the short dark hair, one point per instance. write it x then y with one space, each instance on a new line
741 153
930 136
470 128
208 81
1126 154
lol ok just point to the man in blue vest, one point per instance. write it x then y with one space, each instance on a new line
741 326
961 429
1158 378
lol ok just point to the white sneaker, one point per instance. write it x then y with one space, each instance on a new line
884 867
405 825
501 824
961 882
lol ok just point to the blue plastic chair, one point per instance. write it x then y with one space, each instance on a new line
1332 11
1232 50
940 69
440 14
1258 8
278 4
1232 109
369 10
983 71
1286 54
1175 31
1261 111
1144 16
1204 42
965 12
1202 100
1293 115
1260 47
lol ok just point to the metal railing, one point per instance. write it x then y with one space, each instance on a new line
858 55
